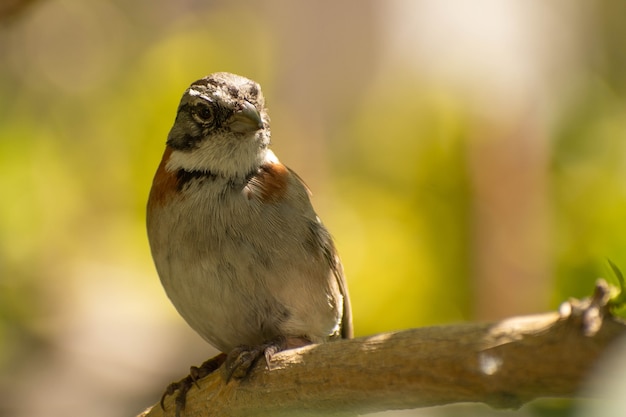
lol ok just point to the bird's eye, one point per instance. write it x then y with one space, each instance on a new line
203 113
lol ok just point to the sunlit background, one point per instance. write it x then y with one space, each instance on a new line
468 157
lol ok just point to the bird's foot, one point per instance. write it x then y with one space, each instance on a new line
242 359
184 385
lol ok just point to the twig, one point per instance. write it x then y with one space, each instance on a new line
503 364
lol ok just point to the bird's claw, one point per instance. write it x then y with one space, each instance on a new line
184 385
242 359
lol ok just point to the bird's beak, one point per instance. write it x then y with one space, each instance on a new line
246 120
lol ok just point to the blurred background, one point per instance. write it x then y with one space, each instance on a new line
468 157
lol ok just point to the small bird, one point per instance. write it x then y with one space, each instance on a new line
237 245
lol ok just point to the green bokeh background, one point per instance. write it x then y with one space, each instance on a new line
415 175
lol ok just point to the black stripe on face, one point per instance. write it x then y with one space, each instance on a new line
185 133
184 143
184 108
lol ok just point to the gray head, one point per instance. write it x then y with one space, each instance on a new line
221 127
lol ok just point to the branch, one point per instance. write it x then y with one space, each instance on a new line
503 364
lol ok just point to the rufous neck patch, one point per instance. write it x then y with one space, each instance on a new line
164 184
269 183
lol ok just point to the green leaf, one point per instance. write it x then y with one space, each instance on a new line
618 300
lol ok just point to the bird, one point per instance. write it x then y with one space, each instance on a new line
236 242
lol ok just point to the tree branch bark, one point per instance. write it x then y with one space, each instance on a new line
503 364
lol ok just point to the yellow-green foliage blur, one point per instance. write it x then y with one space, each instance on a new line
469 161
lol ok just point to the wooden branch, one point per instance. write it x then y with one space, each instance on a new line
503 364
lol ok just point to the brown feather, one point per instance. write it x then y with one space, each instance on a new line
164 184
269 183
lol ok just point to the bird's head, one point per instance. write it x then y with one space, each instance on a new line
221 127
